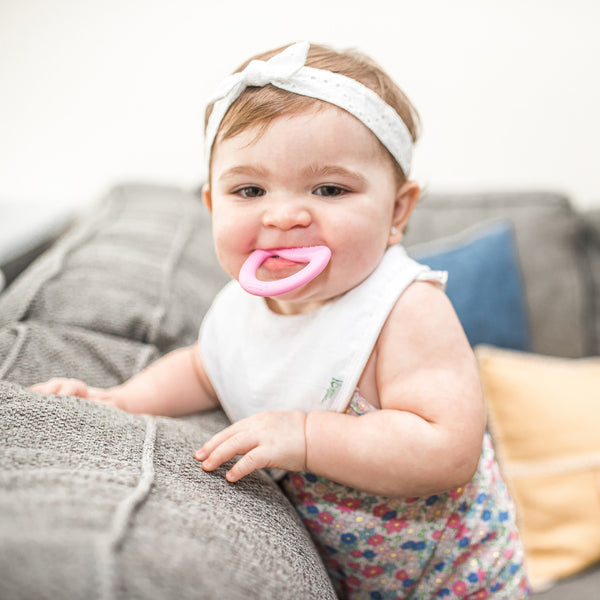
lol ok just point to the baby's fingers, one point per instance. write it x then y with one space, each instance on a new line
228 446
66 387
215 441
251 461
47 387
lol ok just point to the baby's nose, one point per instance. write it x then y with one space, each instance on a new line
286 214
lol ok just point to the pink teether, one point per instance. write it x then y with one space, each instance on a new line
317 258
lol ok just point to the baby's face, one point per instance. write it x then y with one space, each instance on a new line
318 178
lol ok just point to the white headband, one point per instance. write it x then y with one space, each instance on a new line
286 70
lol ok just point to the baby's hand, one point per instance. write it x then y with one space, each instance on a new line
73 387
273 439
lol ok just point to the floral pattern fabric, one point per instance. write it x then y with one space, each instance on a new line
460 544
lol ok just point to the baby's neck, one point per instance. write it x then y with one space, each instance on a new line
283 307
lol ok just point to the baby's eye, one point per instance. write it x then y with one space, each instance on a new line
250 191
329 191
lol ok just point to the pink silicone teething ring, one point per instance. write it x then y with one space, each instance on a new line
317 258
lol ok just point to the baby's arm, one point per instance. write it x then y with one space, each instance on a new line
174 385
427 437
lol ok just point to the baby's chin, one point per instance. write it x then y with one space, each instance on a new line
305 299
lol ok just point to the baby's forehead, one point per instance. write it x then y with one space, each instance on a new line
308 144
315 122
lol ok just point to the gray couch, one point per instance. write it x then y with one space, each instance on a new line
95 502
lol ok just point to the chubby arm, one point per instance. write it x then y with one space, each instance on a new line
427 437
174 385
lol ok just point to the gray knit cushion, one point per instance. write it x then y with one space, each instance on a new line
98 503
140 266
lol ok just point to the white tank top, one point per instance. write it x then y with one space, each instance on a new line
259 360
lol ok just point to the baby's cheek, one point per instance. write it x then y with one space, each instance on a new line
230 258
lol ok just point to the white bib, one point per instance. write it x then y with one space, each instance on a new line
259 360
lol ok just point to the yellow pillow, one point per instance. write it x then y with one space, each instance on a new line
544 417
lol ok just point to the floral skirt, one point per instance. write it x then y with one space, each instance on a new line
459 544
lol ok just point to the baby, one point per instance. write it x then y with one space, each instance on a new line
339 360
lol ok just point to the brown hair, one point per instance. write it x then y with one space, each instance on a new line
258 106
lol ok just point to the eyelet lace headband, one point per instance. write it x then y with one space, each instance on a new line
286 70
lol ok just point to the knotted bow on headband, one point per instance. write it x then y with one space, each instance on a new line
280 68
286 70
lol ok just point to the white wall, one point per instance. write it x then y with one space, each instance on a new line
97 91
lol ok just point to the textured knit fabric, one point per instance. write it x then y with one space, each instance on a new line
96 503
295 362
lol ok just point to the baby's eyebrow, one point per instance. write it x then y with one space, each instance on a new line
332 171
311 171
245 170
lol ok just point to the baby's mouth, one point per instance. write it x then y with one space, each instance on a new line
276 262
307 263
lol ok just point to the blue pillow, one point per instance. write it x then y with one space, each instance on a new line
484 284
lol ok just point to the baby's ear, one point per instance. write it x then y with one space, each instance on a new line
207 197
406 200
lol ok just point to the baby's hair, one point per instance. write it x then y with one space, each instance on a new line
259 106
